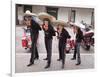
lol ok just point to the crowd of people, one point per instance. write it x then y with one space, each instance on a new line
49 32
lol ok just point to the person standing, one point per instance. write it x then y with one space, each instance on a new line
49 33
34 35
63 35
79 37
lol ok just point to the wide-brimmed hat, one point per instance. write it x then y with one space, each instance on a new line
36 19
59 22
44 15
78 25
29 13
71 23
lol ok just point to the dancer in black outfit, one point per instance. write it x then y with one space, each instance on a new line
49 32
63 35
35 27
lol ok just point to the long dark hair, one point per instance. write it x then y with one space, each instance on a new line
78 30
46 19
49 22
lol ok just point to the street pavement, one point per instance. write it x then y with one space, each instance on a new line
23 56
22 60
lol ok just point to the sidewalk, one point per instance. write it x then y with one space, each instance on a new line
22 59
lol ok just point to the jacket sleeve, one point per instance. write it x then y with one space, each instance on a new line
81 35
52 31
36 25
67 35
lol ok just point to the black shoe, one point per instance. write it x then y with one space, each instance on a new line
45 59
58 59
73 58
62 66
78 63
47 66
36 58
30 64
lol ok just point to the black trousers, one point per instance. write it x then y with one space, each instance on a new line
62 53
34 51
48 45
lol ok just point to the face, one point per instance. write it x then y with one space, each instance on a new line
46 27
59 28
75 29
28 20
46 22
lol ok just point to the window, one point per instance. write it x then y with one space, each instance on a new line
92 18
16 12
27 7
52 11
73 14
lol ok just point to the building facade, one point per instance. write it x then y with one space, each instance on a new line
60 13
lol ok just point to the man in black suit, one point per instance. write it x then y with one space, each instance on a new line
35 27
49 32
63 35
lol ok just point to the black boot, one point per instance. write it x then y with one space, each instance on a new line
47 66
58 59
36 58
73 58
62 66
45 59
78 63
30 64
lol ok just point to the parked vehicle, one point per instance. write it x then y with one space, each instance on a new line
70 44
88 39
26 38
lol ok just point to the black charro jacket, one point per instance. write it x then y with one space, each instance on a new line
35 26
63 36
79 36
49 33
